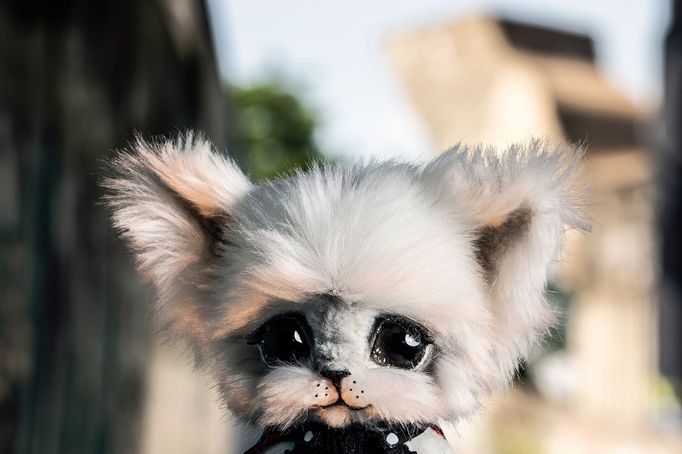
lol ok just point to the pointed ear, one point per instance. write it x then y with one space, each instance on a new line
172 201
518 203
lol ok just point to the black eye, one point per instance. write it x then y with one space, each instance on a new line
283 339
399 342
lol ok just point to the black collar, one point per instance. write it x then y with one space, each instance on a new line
315 438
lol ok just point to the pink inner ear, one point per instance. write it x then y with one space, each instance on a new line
198 173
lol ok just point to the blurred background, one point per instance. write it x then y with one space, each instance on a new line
280 84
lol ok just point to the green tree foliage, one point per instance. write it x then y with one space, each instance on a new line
272 130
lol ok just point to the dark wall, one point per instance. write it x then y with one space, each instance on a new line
76 79
671 206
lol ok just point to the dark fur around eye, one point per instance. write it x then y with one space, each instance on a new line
284 339
398 342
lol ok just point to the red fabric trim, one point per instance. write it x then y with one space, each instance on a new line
438 430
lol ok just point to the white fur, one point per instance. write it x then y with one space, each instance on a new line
170 247
381 238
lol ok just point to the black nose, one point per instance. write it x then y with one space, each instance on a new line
335 376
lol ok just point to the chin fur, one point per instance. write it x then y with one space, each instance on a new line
336 416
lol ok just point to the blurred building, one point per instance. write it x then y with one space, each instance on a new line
492 80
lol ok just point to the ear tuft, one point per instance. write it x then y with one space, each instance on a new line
518 203
195 171
490 184
172 200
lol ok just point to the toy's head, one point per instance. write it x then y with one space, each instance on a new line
350 293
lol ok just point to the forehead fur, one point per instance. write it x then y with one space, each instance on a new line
373 235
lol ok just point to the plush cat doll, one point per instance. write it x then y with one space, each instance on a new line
353 307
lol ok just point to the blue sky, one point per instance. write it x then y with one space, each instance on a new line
335 50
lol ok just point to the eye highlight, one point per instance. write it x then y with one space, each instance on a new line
399 342
284 339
